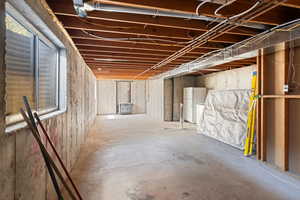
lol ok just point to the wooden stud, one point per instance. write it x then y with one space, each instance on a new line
258 108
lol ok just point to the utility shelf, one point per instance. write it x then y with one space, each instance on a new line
288 96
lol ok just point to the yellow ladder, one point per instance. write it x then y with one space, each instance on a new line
249 142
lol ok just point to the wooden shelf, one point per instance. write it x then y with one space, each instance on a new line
288 96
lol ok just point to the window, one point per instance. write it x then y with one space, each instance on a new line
32 68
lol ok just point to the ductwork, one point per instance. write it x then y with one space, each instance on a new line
96 6
79 8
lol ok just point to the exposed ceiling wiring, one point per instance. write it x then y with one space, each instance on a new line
200 5
135 39
223 6
107 26
225 25
242 13
246 11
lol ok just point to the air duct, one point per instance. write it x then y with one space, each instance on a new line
96 6
79 8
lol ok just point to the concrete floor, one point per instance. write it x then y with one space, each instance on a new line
133 158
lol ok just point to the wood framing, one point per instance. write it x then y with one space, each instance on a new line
166 40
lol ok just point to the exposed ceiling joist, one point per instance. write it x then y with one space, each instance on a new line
124 43
135 51
209 8
193 25
147 32
80 38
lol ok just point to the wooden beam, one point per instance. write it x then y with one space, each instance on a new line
208 9
125 53
286 62
131 63
130 55
135 51
262 107
117 70
80 37
292 3
121 77
90 60
66 9
127 30
258 107
129 58
124 67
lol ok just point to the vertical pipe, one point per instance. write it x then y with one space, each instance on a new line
181 115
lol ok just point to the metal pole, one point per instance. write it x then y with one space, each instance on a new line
181 115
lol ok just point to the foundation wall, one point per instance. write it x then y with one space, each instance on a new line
23 174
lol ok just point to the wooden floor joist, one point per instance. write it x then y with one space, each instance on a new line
144 38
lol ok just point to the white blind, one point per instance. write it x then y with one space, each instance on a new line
20 79
47 76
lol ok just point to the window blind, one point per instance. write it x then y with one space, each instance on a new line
47 77
20 79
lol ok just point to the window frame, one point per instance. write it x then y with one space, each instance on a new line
16 121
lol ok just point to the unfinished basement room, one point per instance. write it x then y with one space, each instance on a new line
150 99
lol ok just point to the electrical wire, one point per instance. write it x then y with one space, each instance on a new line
256 38
134 39
200 5
223 26
107 26
223 6
246 11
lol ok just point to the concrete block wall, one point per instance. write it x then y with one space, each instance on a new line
23 174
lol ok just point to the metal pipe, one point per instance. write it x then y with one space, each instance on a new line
216 31
79 8
94 6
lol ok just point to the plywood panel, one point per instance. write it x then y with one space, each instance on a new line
274 69
276 141
106 97
294 136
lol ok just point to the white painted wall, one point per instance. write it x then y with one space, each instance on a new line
155 99
232 79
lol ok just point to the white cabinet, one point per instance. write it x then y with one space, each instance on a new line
192 96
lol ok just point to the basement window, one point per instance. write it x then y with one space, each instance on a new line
34 67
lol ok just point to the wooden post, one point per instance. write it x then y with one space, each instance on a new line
258 108
263 134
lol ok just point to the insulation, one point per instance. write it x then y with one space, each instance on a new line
225 116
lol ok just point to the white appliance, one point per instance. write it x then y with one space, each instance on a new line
192 96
